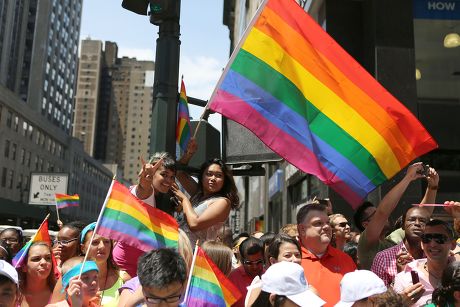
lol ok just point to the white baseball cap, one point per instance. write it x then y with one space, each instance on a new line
287 278
358 285
9 271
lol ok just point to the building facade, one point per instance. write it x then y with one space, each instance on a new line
113 107
406 47
38 69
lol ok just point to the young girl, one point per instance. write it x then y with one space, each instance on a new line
205 214
37 276
110 277
80 292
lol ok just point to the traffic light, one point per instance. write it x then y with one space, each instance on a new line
136 6
160 10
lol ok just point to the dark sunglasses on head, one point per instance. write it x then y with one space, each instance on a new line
437 237
343 224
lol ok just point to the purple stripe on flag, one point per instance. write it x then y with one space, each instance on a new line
283 144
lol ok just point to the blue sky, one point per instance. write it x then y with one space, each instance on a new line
205 40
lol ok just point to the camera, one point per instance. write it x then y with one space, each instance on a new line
425 171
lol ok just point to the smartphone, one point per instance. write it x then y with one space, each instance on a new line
415 278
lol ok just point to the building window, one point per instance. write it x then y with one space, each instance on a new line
7 149
25 126
16 123
22 157
9 119
13 151
10 179
4 172
28 158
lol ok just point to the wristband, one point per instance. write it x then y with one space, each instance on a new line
434 188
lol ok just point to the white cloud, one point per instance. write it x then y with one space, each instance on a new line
201 74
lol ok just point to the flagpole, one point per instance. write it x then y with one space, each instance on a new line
57 210
195 252
31 240
232 57
97 224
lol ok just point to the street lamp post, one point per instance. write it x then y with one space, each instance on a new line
166 15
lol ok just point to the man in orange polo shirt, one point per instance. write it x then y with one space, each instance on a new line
323 264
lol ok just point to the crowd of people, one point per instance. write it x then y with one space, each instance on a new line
319 261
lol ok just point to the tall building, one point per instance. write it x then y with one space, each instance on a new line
38 67
113 106
129 117
87 93
38 55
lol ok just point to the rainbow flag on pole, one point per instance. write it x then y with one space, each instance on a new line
183 129
308 100
208 286
42 235
129 220
64 200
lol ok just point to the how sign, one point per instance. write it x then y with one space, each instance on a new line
43 186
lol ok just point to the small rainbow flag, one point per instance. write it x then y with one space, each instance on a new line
308 100
129 220
42 235
183 128
64 200
208 285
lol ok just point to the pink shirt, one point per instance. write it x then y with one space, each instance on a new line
404 280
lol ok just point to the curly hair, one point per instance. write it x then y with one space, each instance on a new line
229 189
450 282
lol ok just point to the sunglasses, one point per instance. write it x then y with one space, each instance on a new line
437 237
257 262
343 224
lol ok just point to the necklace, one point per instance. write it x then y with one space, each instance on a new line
438 278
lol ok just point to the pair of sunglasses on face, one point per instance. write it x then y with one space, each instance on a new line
437 237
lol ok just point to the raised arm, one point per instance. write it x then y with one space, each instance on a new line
217 211
144 188
189 184
431 189
389 202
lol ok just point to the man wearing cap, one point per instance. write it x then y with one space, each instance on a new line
9 292
386 262
323 264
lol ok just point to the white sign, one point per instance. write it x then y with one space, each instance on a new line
43 186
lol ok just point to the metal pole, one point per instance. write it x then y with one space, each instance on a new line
165 86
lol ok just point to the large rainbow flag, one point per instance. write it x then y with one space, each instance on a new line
129 220
208 285
42 235
183 128
64 200
308 100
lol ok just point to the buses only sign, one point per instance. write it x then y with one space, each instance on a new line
43 186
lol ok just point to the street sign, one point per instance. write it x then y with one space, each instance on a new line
43 186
